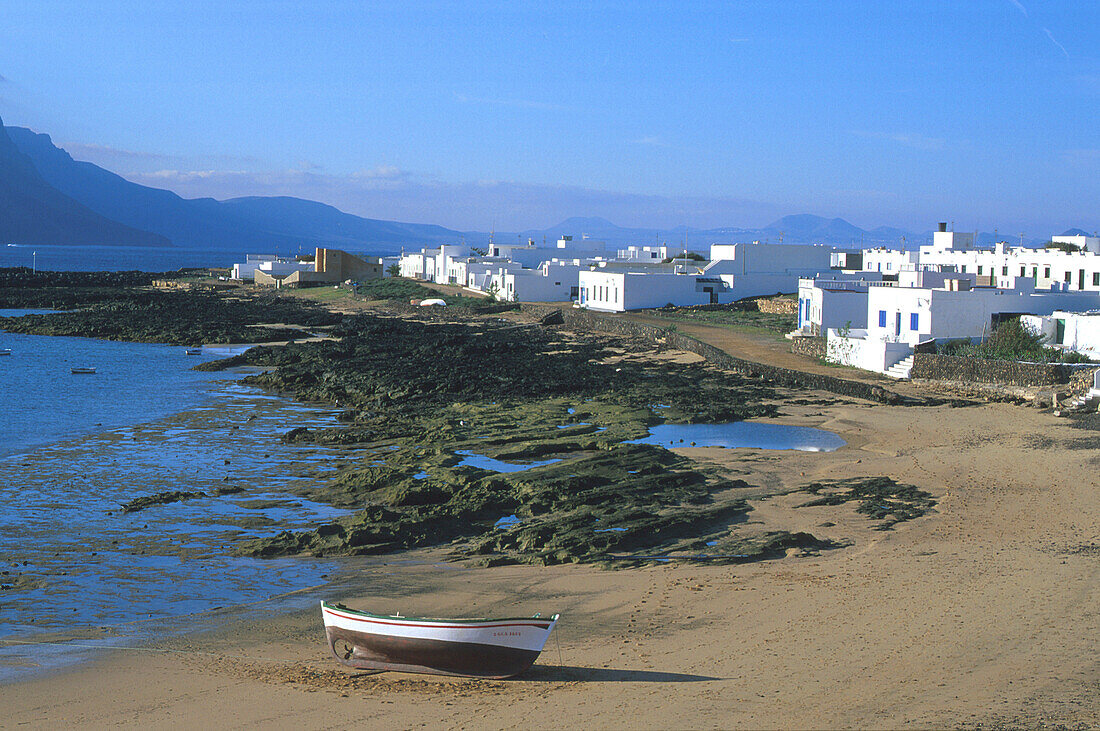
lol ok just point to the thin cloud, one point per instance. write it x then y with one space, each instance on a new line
382 172
82 150
124 161
740 40
3 79
1052 40
1020 6
907 139
389 193
517 103
650 141
1082 156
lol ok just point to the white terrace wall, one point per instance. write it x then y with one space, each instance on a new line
855 349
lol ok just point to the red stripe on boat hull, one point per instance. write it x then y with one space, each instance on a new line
415 655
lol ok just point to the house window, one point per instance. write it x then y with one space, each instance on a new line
979 270
914 322
882 318
1023 271
1004 271
1046 272
1069 277
1096 279
964 268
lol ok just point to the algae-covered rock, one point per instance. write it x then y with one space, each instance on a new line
428 401
160 498
880 498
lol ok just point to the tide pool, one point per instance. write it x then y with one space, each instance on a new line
757 435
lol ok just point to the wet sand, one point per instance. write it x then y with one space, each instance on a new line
982 612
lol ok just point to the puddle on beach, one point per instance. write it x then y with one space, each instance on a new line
508 521
471 459
737 434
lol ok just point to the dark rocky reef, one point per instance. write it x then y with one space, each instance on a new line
160 498
419 396
170 317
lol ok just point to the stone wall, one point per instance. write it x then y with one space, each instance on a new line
777 305
981 370
811 347
584 320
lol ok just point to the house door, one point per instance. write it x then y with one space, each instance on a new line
897 324
1081 279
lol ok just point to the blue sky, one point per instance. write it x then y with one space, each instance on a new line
512 115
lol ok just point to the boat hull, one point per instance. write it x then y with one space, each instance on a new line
489 649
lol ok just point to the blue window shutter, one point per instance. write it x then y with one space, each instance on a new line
882 318
914 322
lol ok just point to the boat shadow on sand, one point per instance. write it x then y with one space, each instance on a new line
559 673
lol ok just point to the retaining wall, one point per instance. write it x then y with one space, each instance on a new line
777 305
813 347
981 370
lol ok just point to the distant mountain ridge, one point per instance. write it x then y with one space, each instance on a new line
76 202
258 224
34 212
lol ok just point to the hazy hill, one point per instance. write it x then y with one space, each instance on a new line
240 224
34 212
47 196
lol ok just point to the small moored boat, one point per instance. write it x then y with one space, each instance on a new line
79 370
193 351
480 648
5 351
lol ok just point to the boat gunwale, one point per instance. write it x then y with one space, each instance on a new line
325 606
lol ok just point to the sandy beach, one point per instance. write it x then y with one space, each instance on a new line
983 612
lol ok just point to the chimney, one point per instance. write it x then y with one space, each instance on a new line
943 226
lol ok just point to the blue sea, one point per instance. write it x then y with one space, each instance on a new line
126 258
74 448
116 258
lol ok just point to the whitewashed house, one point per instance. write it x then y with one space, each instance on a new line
1078 332
735 271
270 265
611 290
941 306
553 281
837 300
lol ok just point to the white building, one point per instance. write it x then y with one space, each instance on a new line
735 271
1075 331
553 281
1090 244
837 301
900 317
611 290
889 261
269 264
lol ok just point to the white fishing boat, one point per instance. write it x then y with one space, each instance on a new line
5 351
481 648
83 370
193 351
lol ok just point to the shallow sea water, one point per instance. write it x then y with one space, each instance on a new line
72 564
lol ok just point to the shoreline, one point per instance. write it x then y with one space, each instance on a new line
977 613
939 622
